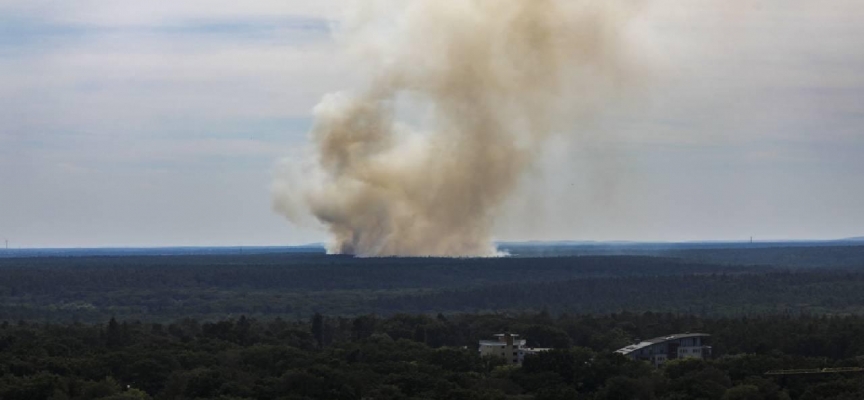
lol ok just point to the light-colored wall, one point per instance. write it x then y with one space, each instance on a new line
508 347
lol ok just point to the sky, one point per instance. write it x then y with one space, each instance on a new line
161 123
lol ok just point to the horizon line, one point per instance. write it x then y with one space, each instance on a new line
497 243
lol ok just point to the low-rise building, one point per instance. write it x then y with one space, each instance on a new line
508 347
673 347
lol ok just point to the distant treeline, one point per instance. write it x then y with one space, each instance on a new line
90 289
837 254
425 357
312 272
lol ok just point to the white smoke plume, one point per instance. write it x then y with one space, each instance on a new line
461 97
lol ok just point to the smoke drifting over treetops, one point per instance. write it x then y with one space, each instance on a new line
461 97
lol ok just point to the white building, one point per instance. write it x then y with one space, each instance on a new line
673 347
508 347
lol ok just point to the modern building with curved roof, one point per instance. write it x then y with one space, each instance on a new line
672 347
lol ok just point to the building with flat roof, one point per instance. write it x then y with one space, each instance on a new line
672 347
508 347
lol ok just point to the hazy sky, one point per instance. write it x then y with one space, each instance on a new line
161 122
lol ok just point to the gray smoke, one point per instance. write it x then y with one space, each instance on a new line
460 100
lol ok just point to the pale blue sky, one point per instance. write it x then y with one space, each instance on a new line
161 122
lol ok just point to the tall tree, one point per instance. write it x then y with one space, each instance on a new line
318 329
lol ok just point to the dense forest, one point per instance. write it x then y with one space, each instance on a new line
836 254
426 357
294 285
311 326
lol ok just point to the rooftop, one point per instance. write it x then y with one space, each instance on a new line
498 343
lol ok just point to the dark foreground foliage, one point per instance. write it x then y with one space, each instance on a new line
424 357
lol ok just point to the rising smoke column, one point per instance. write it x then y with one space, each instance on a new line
491 80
